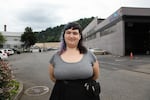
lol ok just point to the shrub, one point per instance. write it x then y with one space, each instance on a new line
7 84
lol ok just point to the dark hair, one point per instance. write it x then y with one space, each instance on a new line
72 25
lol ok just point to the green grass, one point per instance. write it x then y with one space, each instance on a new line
15 87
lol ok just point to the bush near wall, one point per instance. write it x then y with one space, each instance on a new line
8 86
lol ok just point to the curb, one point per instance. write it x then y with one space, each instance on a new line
20 91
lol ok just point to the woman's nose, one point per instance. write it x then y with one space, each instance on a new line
71 34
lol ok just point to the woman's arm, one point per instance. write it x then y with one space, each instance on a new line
51 72
96 70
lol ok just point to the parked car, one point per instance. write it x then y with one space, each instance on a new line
98 51
8 51
35 49
50 49
4 51
3 55
17 51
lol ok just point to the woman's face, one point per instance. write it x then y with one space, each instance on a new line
72 37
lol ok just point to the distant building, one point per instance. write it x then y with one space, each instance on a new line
47 45
12 39
126 30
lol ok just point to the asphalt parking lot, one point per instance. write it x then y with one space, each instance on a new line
121 78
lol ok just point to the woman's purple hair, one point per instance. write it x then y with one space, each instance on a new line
72 25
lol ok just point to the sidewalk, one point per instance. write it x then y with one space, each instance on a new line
144 68
138 63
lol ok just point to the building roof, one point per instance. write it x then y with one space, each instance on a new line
123 11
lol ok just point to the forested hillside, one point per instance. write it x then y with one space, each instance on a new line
53 34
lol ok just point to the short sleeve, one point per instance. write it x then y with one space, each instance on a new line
93 58
52 60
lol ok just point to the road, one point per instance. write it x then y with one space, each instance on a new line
119 80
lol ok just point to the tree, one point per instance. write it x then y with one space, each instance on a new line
2 39
29 37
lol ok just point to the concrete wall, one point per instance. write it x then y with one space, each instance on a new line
90 28
135 11
113 42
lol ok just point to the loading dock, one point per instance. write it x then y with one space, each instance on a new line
137 35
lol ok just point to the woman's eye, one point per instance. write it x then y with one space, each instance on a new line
75 33
68 32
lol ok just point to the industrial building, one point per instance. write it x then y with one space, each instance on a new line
12 39
126 30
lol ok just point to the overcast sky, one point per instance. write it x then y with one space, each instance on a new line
41 14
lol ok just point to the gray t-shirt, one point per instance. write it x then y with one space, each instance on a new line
78 70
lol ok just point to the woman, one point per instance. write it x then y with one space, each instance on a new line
72 66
